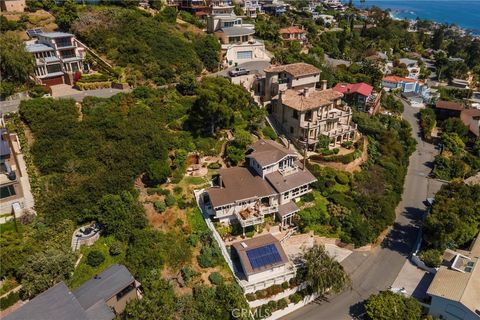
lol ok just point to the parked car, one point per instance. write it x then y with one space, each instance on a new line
238 72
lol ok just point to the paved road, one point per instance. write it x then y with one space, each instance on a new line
378 270
12 106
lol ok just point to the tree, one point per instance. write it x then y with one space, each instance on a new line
452 142
388 305
66 14
16 64
95 258
322 273
455 125
44 269
120 214
187 84
158 171
158 302
208 50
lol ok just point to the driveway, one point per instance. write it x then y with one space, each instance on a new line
254 67
377 270
12 105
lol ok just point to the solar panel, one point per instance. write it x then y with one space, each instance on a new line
263 256
34 32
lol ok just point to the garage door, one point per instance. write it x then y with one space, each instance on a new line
53 81
241 55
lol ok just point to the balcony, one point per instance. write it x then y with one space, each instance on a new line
309 124
249 217
288 170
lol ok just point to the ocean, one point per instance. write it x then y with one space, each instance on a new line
463 13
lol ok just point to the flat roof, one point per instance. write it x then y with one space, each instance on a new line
283 183
295 69
56 303
103 286
237 31
55 35
267 152
296 99
37 47
249 265
238 183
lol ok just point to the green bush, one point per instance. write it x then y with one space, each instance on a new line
93 85
215 278
92 78
170 200
285 285
210 256
251 296
39 91
342 178
95 258
269 133
159 206
336 151
309 197
347 144
9 300
250 234
295 298
214 166
431 257
116 248
188 274
282 304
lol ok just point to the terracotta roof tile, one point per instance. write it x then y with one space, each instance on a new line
295 69
315 98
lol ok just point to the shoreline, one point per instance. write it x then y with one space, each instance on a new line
396 14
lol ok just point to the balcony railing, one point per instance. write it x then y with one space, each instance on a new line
248 217
268 209
288 170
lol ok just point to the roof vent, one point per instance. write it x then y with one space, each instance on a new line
243 244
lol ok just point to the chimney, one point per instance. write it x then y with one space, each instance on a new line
324 84
306 92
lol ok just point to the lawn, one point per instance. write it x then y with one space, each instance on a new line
11 226
195 220
84 272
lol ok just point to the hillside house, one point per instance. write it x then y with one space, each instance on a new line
236 37
294 33
304 112
471 119
455 290
269 184
360 94
58 55
103 297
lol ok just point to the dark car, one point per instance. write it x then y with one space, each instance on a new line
238 72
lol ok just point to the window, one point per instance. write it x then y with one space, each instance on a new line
7 191
308 115
291 129
54 68
295 114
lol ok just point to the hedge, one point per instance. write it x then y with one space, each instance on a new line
9 300
93 85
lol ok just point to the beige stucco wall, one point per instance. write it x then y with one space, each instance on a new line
13 5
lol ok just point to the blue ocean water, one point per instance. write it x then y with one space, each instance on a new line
464 13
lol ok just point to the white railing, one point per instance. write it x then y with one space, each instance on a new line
268 210
250 221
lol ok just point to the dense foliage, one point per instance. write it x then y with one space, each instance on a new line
388 305
359 208
151 47
455 216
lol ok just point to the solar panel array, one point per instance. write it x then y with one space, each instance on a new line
263 256
34 32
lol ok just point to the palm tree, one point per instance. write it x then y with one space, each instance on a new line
322 273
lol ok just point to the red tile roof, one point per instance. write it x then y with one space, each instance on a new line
398 79
292 29
449 105
361 88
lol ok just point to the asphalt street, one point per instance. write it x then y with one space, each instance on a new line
377 270
12 105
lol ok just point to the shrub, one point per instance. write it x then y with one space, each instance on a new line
269 133
342 178
336 151
177 190
159 206
188 274
261 294
282 304
93 85
295 298
116 248
215 278
9 300
38 91
210 256
214 166
95 258
285 285
432 258
308 197
251 296
170 200
347 144
276 289
250 234
272 305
